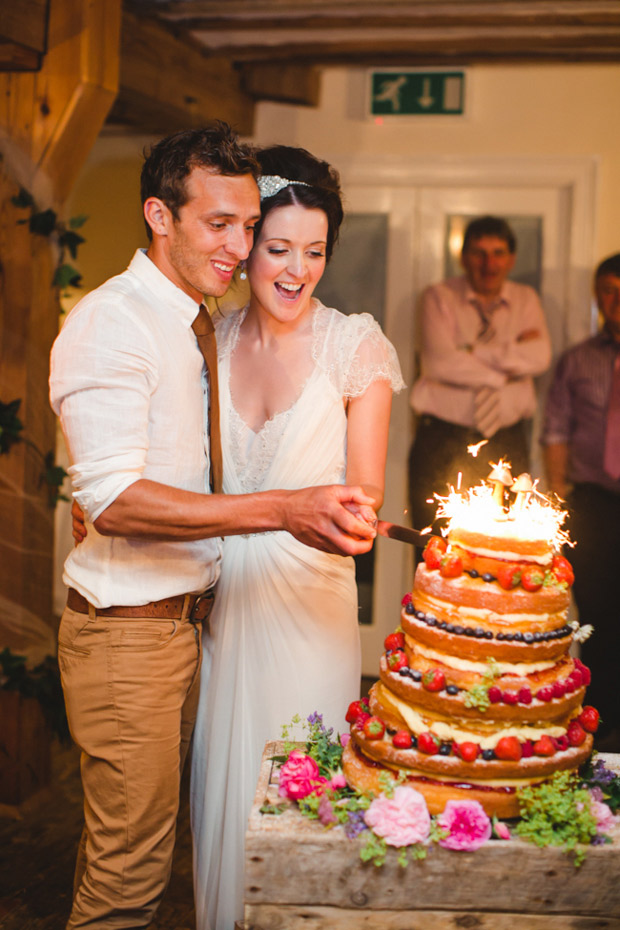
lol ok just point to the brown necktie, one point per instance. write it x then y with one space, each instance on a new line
205 334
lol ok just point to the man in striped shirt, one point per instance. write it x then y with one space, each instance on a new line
581 440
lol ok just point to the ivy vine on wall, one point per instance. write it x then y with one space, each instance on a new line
44 223
11 432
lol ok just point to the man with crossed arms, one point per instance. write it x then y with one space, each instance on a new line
128 382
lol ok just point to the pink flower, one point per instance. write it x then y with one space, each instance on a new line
401 820
326 812
338 781
299 777
501 830
467 824
605 820
344 739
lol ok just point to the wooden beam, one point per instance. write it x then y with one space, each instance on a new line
367 33
168 82
283 83
23 34
462 45
272 15
48 123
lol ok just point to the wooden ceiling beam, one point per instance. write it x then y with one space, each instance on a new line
283 83
168 82
23 34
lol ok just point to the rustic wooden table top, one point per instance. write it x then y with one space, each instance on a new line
294 863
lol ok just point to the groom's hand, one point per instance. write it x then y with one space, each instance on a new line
335 518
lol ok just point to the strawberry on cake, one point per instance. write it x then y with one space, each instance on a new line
478 694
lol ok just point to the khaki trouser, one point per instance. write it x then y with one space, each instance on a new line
131 690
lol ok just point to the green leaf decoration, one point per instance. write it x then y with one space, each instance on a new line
557 813
10 425
43 223
23 199
71 241
77 221
42 683
66 276
54 475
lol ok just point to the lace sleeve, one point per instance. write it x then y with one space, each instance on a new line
367 356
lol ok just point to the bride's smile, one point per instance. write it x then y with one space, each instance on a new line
287 263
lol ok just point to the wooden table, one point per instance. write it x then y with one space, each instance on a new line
298 874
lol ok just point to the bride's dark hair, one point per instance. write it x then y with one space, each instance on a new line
323 191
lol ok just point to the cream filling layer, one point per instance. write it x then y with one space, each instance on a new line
468 665
507 555
448 731
484 783
484 613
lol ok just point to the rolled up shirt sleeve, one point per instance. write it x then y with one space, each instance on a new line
102 377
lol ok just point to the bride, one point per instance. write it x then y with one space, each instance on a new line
305 396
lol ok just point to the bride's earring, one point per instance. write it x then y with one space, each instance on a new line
243 275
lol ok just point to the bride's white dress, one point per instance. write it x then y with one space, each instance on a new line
284 630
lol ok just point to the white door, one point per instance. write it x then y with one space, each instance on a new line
416 201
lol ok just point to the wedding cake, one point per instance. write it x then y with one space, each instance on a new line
478 693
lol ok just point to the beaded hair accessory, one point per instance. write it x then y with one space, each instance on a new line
271 184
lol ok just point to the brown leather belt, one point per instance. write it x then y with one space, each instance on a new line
170 608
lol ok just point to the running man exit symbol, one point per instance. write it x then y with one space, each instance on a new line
407 93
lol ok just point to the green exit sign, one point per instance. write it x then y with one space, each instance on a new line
407 93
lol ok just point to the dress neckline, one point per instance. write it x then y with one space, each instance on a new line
279 414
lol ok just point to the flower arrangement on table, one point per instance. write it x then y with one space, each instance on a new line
568 810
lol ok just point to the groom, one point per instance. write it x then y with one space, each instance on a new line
129 385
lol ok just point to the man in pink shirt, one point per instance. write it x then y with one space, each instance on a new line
483 338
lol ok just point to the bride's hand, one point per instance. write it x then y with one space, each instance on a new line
78 526
362 512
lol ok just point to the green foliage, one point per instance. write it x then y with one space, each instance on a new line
66 276
10 425
54 475
273 809
23 199
46 223
374 849
42 683
11 432
43 223
478 696
557 813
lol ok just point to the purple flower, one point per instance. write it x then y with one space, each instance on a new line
316 719
355 824
467 824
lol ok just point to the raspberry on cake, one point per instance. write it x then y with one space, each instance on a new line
478 694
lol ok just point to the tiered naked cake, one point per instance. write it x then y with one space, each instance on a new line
478 694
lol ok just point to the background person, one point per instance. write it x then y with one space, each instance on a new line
128 382
305 399
483 338
581 444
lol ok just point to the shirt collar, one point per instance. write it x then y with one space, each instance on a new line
163 289
473 298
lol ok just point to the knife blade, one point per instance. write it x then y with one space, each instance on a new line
403 533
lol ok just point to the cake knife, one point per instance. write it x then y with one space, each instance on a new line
403 533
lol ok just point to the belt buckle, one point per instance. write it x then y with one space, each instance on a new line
202 606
